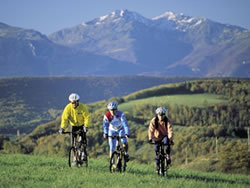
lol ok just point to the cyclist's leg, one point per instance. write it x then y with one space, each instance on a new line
157 160
124 143
124 140
73 138
83 135
83 143
83 139
74 129
167 149
165 142
112 142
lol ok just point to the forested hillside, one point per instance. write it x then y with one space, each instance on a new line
210 123
27 102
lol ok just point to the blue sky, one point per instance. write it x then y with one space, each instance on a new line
48 16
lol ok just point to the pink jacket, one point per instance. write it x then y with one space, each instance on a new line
161 132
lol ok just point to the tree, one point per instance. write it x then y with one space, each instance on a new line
234 157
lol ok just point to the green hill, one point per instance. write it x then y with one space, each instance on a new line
210 132
40 171
194 100
27 102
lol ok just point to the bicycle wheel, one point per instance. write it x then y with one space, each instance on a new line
166 166
162 166
124 163
119 163
72 157
115 163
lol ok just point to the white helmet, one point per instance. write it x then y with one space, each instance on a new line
160 111
112 105
74 97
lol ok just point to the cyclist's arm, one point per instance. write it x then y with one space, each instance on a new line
125 124
151 129
105 124
65 118
86 116
170 131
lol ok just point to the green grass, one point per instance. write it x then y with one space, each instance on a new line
198 100
40 171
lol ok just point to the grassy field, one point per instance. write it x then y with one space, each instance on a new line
198 100
40 171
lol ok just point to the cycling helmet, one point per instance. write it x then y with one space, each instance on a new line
112 105
160 111
74 97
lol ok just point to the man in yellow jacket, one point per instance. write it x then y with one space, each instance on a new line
77 115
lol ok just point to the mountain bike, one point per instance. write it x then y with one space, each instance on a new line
78 151
118 161
163 164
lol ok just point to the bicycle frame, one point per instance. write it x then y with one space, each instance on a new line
117 160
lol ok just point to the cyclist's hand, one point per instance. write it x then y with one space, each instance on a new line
61 131
127 136
85 129
150 141
105 136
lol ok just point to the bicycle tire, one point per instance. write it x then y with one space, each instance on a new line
115 163
161 169
166 167
72 158
163 166
124 163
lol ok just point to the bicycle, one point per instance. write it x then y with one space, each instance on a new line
78 155
163 163
117 161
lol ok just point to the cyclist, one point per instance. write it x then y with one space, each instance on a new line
77 115
161 130
115 123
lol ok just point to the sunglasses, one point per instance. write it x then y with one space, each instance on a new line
162 114
75 102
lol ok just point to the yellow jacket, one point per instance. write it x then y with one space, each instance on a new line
75 117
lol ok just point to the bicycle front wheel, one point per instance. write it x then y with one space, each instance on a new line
162 166
72 157
115 163
124 163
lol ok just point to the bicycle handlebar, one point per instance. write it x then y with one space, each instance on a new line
67 132
161 143
117 137
76 132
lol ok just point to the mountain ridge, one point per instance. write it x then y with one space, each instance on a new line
125 42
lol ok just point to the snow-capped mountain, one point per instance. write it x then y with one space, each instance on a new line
120 15
167 43
169 20
125 42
